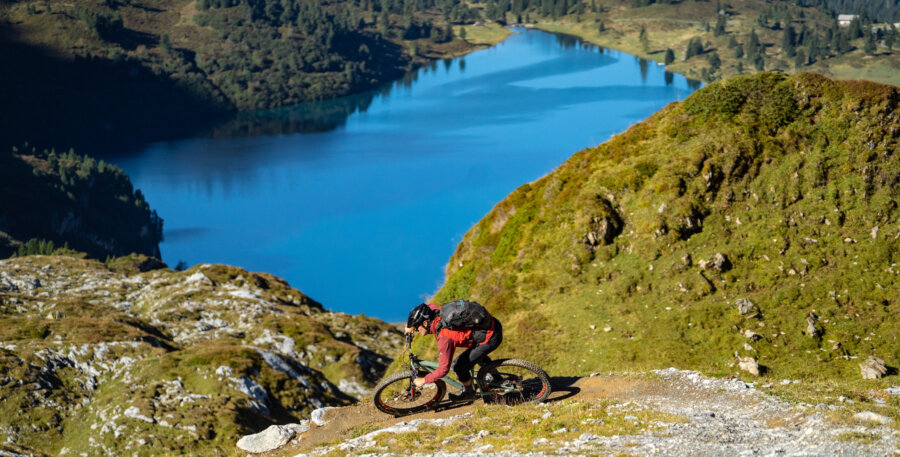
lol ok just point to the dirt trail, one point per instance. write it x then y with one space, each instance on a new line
342 421
720 417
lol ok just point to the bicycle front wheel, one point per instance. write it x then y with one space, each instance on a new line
394 395
514 382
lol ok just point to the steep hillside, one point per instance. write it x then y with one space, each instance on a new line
99 361
754 222
73 200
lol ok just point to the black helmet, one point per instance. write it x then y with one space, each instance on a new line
420 314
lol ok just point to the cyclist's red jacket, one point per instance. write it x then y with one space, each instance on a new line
448 340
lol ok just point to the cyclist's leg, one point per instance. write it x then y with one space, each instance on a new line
463 365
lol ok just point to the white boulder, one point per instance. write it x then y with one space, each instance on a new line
869 416
271 438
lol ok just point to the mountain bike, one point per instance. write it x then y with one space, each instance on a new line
503 381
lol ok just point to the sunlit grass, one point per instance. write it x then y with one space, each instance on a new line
528 427
486 34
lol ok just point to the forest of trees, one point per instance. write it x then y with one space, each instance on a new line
329 50
261 54
887 11
72 201
122 71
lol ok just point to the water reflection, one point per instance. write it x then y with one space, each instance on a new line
306 118
644 65
360 201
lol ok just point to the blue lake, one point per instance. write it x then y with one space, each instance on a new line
360 202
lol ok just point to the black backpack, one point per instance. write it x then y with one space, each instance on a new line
464 314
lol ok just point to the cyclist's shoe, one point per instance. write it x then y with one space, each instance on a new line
464 394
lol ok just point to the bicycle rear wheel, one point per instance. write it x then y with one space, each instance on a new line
394 396
514 382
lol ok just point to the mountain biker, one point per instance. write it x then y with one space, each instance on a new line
424 319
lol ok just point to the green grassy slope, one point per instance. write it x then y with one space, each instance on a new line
599 266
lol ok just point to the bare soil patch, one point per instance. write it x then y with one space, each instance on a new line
343 422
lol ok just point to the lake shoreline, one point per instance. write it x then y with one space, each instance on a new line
360 201
545 27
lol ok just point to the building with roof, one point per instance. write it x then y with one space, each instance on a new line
845 19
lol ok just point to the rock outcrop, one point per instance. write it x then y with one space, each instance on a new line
188 361
873 368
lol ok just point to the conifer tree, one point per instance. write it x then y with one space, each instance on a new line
869 47
759 63
754 42
855 29
644 39
720 25
714 61
788 41
799 59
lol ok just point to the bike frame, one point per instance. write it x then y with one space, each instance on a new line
427 366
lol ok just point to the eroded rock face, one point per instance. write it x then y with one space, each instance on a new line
604 225
745 306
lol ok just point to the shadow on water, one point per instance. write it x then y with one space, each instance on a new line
573 42
569 42
315 117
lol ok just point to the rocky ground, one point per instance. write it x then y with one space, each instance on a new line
666 412
98 361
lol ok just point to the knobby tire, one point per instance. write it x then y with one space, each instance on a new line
535 388
391 395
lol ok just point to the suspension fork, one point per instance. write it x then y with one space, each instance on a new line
413 365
